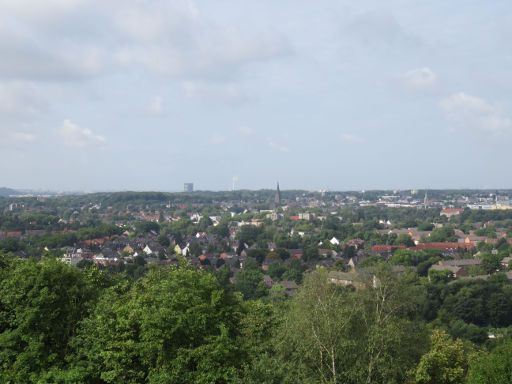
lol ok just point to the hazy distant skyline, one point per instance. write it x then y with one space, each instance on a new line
340 95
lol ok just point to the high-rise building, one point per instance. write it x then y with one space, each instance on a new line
188 187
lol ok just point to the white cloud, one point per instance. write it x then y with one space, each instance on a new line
475 114
420 79
27 54
245 130
351 138
228 93
217 139
279 146
21 105
75 136
20 100
156 106
15 139
38 11
381 29
174 38
23 137
58 41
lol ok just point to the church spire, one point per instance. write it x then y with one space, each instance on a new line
277 198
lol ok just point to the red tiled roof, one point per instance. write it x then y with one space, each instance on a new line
443 246
386 248
452 210
296 253
13 234
422 246
99 241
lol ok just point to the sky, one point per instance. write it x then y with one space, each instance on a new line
342 95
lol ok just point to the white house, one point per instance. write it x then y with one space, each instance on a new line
334 241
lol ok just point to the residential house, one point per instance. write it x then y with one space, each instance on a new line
446 248
386 250
449 212
457 268
268 262
290 287
267 280
454 271
327 253
356 243
296 253
128 250
506 262
11 234
334 241
347 279
460 262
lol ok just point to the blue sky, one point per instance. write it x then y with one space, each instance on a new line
147 95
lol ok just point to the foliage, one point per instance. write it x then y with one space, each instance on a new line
445 363
442 234
172 326
249 281
492 368
136 322
334 335
40 305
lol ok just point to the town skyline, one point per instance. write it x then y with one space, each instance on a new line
412 190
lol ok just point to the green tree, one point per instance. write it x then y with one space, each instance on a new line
491 262
311 254
276 270
404 239
294 272
317 331
249 281
445 363
175 325
492 368
390 337
442 234
258 339
163 240
40 307
249 234
148 226
258 254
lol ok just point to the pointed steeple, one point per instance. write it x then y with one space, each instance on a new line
277 198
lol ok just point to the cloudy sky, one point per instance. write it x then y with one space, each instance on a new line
147 95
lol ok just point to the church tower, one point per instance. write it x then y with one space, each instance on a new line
277 198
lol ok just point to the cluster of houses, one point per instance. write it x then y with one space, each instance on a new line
457 269
125 248
21 235
116 250
122 248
